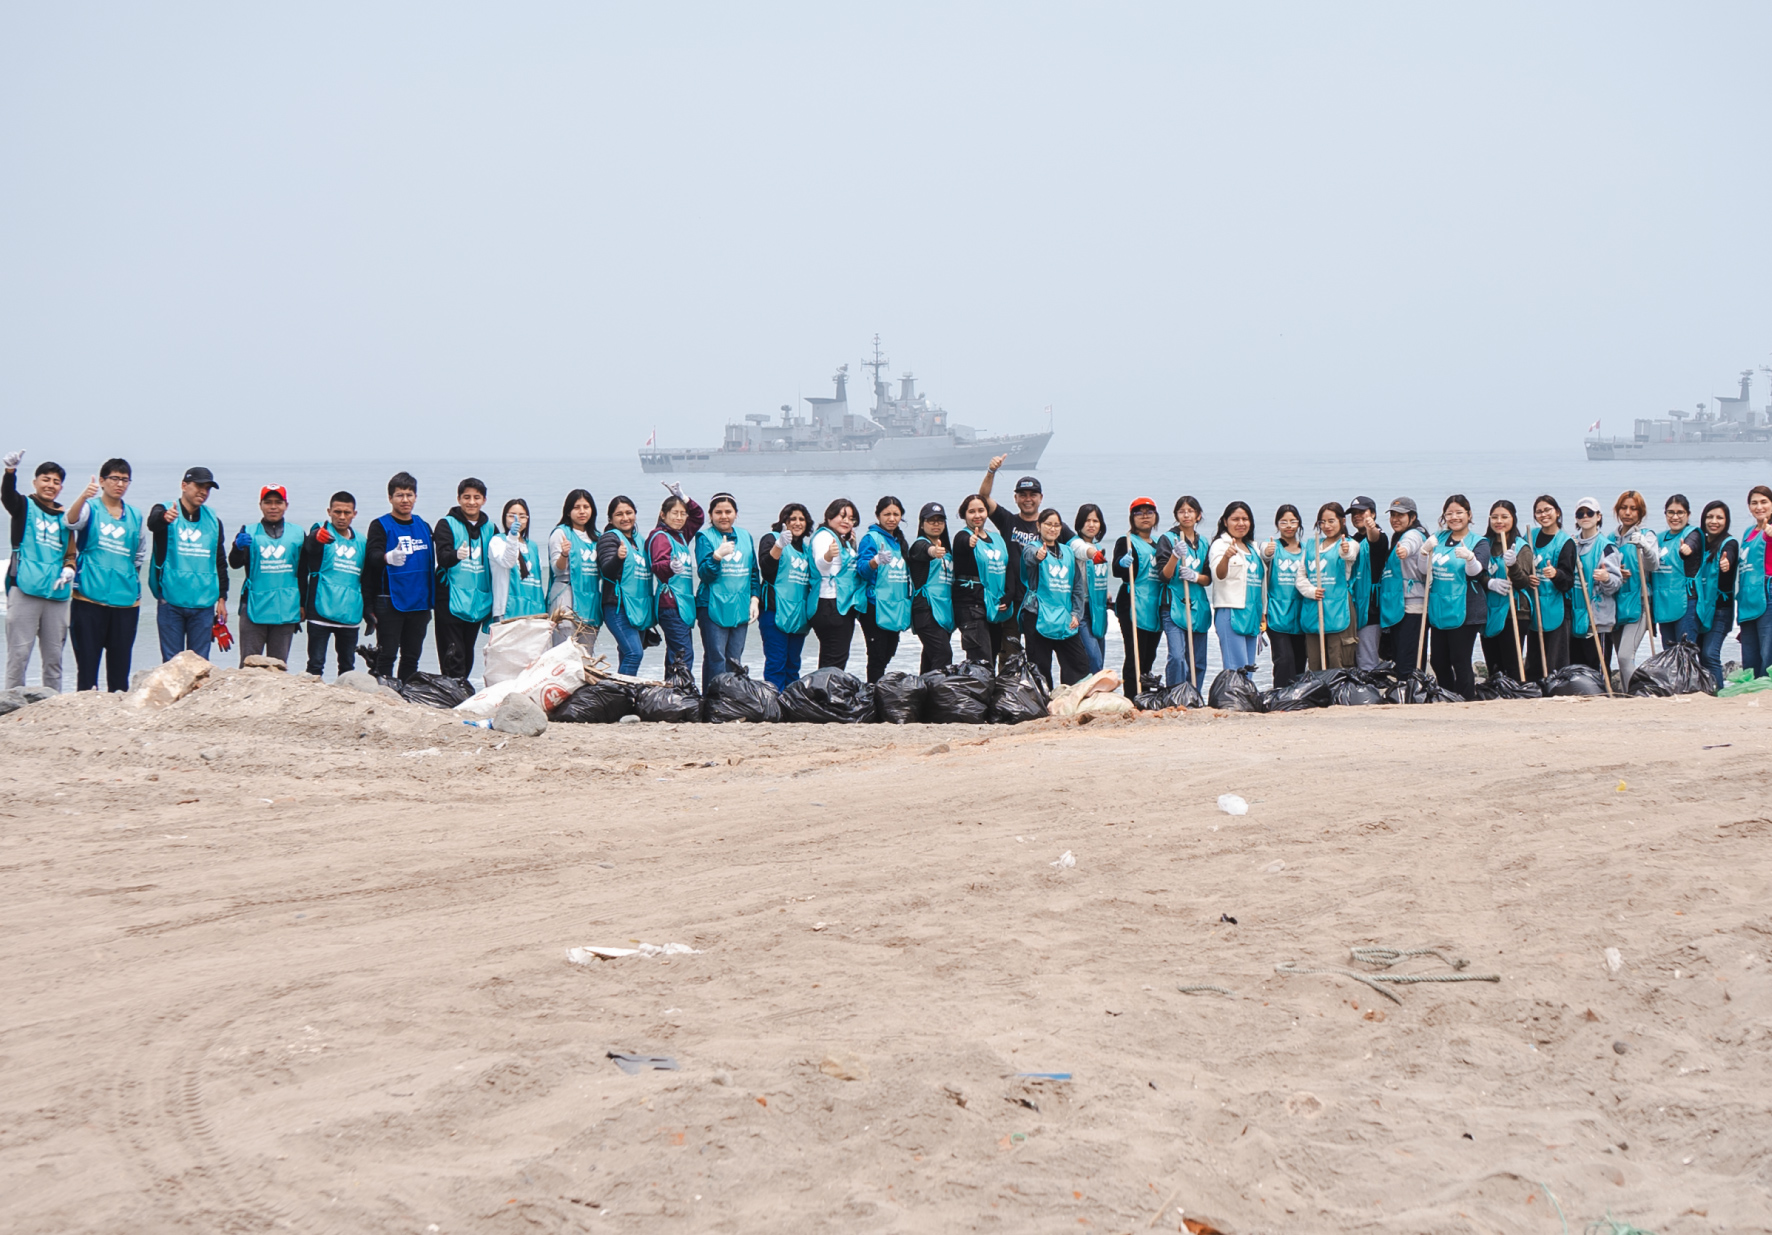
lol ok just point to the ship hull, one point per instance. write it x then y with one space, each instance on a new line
893 454
1630 452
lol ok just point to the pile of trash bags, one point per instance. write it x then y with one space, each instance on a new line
1672 671
1501 686
433 690
959 694
602 702
1573 680
829 697
1234 690
1156 697
901 698
1020 692
676 702
735 696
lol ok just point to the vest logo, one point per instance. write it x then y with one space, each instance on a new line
115 531
190 533
587 556
344 553
1056 571
271 553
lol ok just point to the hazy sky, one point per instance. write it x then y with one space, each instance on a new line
443 230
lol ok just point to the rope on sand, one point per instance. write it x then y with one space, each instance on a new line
1384 958
1202 986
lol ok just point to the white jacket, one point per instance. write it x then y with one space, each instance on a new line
1230 592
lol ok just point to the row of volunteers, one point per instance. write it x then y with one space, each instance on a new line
1342 592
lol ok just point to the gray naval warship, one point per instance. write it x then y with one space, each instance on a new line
1734 431
905 433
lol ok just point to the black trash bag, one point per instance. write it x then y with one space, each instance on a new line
1235 690
436 691
1360 689
900 698
1018 693
735 696
1419 686
959 694
828 696
1672 671
1184 694
1574 680
1501 686
368 651
1308 690
676 702
602 702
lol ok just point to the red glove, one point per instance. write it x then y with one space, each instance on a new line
224 639
1099 557
324 535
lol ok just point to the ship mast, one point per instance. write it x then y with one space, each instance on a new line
876 364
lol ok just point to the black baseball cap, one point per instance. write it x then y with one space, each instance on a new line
200 476
1028 484
1362 503
932 510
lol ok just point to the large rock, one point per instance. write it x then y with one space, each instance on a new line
171 682
37 694
521 715
12 701
368 683
264 662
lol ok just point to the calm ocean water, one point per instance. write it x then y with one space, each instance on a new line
1111 481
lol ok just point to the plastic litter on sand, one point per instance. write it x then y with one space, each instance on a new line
1065 861
584 956
1231 804
633 1065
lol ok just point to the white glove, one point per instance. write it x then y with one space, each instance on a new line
396 557
14 459
1463 554
1501 587
1186 573
1308 590
676 489
725 550
680 566
1512 555
756 607
66 577
465 553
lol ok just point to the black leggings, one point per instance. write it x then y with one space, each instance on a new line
1583 652
835 631
1132 672
1289 657
882 645
1451 658
1556 650
1073 657
938 643
102 631
981 641
1501 656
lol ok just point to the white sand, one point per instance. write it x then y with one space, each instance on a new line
349 1008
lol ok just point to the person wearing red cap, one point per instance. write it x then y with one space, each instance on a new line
270 599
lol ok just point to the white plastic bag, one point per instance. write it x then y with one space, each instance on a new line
555 674
514 645
1231 804
1069 700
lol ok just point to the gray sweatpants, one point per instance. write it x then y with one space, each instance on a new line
274 641
1367 656
33 620
1630 639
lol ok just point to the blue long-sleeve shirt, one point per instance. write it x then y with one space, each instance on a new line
878 540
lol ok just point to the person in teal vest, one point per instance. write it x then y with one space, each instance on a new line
1235 569
1753 586
40 573
1507 580
576 553
1673 588
519 582
882 564
103 616
630 601
270 598
789 593
463 538
1553 579
1281 559
1636 545
1057 588
1091 527
1457 601
1593 601
1398 578
932 588
1187 605
670 551
841 594
188 568
1326 585
1716 586
725 606
1138 565
984 610
330 577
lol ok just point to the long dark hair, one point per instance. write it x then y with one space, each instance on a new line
1083 513
571 501
1287 508
1457 499
1555 505
1500 542
504 520
781 523
615 504
1334 508
1713 540
1193 504
1225 518
837 507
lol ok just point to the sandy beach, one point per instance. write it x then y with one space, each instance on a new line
287 957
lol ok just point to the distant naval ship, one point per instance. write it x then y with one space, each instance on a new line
1733 431
902 434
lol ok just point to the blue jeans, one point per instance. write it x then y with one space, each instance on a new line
627 639
719 644
679 645
1095 649
1175 670
1237 650
1685 628
1756 644
184 628
1710 651
781 653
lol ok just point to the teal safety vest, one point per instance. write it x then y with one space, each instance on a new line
1588 561
338 585
727 596
271 596
1550 599
469 582
992 558
187 579
582 577
1183 594
1363 583
1446 598
1282 591
1671 589
1247 620
42 554
528 597
681 584
1099 574
794 593
107 574
1334 577
1710 594
938 587
1629 601
1390 588
636 593
1051 585
1750 578
1496 607
892 590
1147 592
